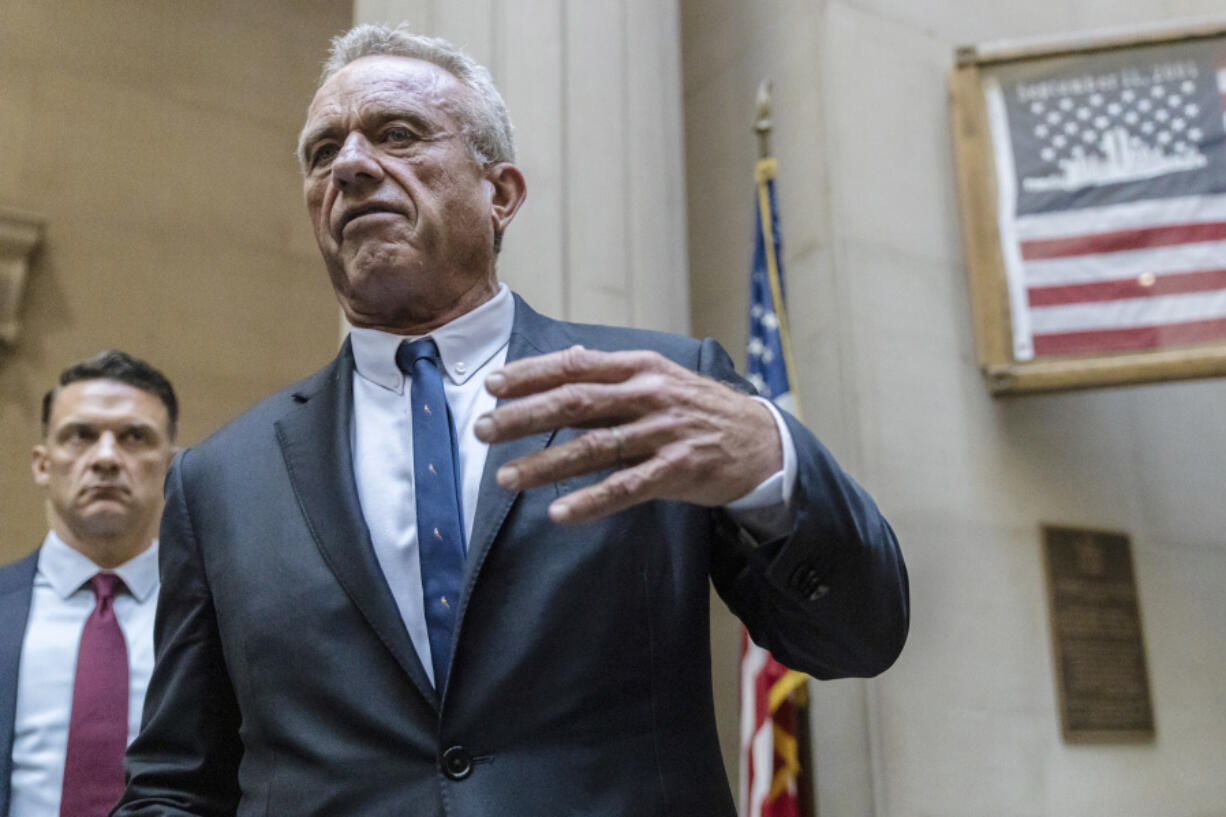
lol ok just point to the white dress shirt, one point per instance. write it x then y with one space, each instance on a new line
61 601
471 347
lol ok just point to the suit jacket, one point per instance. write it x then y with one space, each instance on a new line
16 590
286 683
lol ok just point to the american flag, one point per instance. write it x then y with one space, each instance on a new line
771 694
1111 175
765 363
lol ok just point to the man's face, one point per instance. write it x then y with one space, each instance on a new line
104 461
402 212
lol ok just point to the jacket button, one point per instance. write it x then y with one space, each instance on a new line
457 763
808 582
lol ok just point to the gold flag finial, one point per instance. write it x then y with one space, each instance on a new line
762 121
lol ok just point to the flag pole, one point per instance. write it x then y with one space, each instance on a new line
776 745
764 174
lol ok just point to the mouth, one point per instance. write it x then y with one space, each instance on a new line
103 492
372 209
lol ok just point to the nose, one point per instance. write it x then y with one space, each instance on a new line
104 457
355 162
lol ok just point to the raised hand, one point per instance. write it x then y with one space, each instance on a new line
669 432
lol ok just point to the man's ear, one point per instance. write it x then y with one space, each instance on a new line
40 466
507 194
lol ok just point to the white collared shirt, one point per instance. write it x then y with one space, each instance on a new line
62 600
471 347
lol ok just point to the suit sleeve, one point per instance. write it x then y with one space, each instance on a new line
829 598
185 759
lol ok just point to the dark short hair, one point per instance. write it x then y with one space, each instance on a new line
115 365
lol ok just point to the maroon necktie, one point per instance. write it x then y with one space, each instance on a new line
98 726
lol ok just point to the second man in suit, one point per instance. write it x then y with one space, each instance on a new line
76 615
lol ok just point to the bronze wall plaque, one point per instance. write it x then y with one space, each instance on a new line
1099 653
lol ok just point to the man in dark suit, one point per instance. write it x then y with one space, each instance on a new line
463 569
76 615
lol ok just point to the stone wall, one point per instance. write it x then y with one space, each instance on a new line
157 141
966 724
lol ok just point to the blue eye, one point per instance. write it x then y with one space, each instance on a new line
398 134
322 154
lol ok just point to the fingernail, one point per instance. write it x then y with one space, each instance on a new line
508 477
495 383
559 512
484 428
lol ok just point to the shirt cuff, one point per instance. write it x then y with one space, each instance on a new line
765 510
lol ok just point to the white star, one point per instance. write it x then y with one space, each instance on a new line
755 346
768 356
1161 115
1128 95
1144 105
1052 117
1157 92
1191 109
1163 138
1083 114
1195 134
755 311
1131 117
1066 104
1089 137
1174 100
1178 124
1058 140
757 382
1047 154
1101 122
1188 86
1096 99
1114 109
1070 128
1147 127
770 320
1040 131
1036 108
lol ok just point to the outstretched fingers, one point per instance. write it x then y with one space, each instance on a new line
622 489
598 449
532 375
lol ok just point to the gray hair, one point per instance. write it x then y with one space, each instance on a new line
487 126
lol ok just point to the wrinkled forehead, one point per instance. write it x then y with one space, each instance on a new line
372 84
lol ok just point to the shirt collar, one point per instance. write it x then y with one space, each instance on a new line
67 569
465 344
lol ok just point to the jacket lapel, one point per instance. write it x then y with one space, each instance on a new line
531 334
16 590
314 439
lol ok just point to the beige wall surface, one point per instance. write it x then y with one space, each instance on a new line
965 725
157 140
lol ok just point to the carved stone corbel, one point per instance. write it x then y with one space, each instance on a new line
20 233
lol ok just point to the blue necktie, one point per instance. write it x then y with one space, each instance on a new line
440 529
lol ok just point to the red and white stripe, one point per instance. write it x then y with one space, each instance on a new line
760 764
1142 275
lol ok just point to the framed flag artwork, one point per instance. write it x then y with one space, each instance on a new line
1092 188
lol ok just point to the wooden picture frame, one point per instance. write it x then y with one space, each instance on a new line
1120 280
